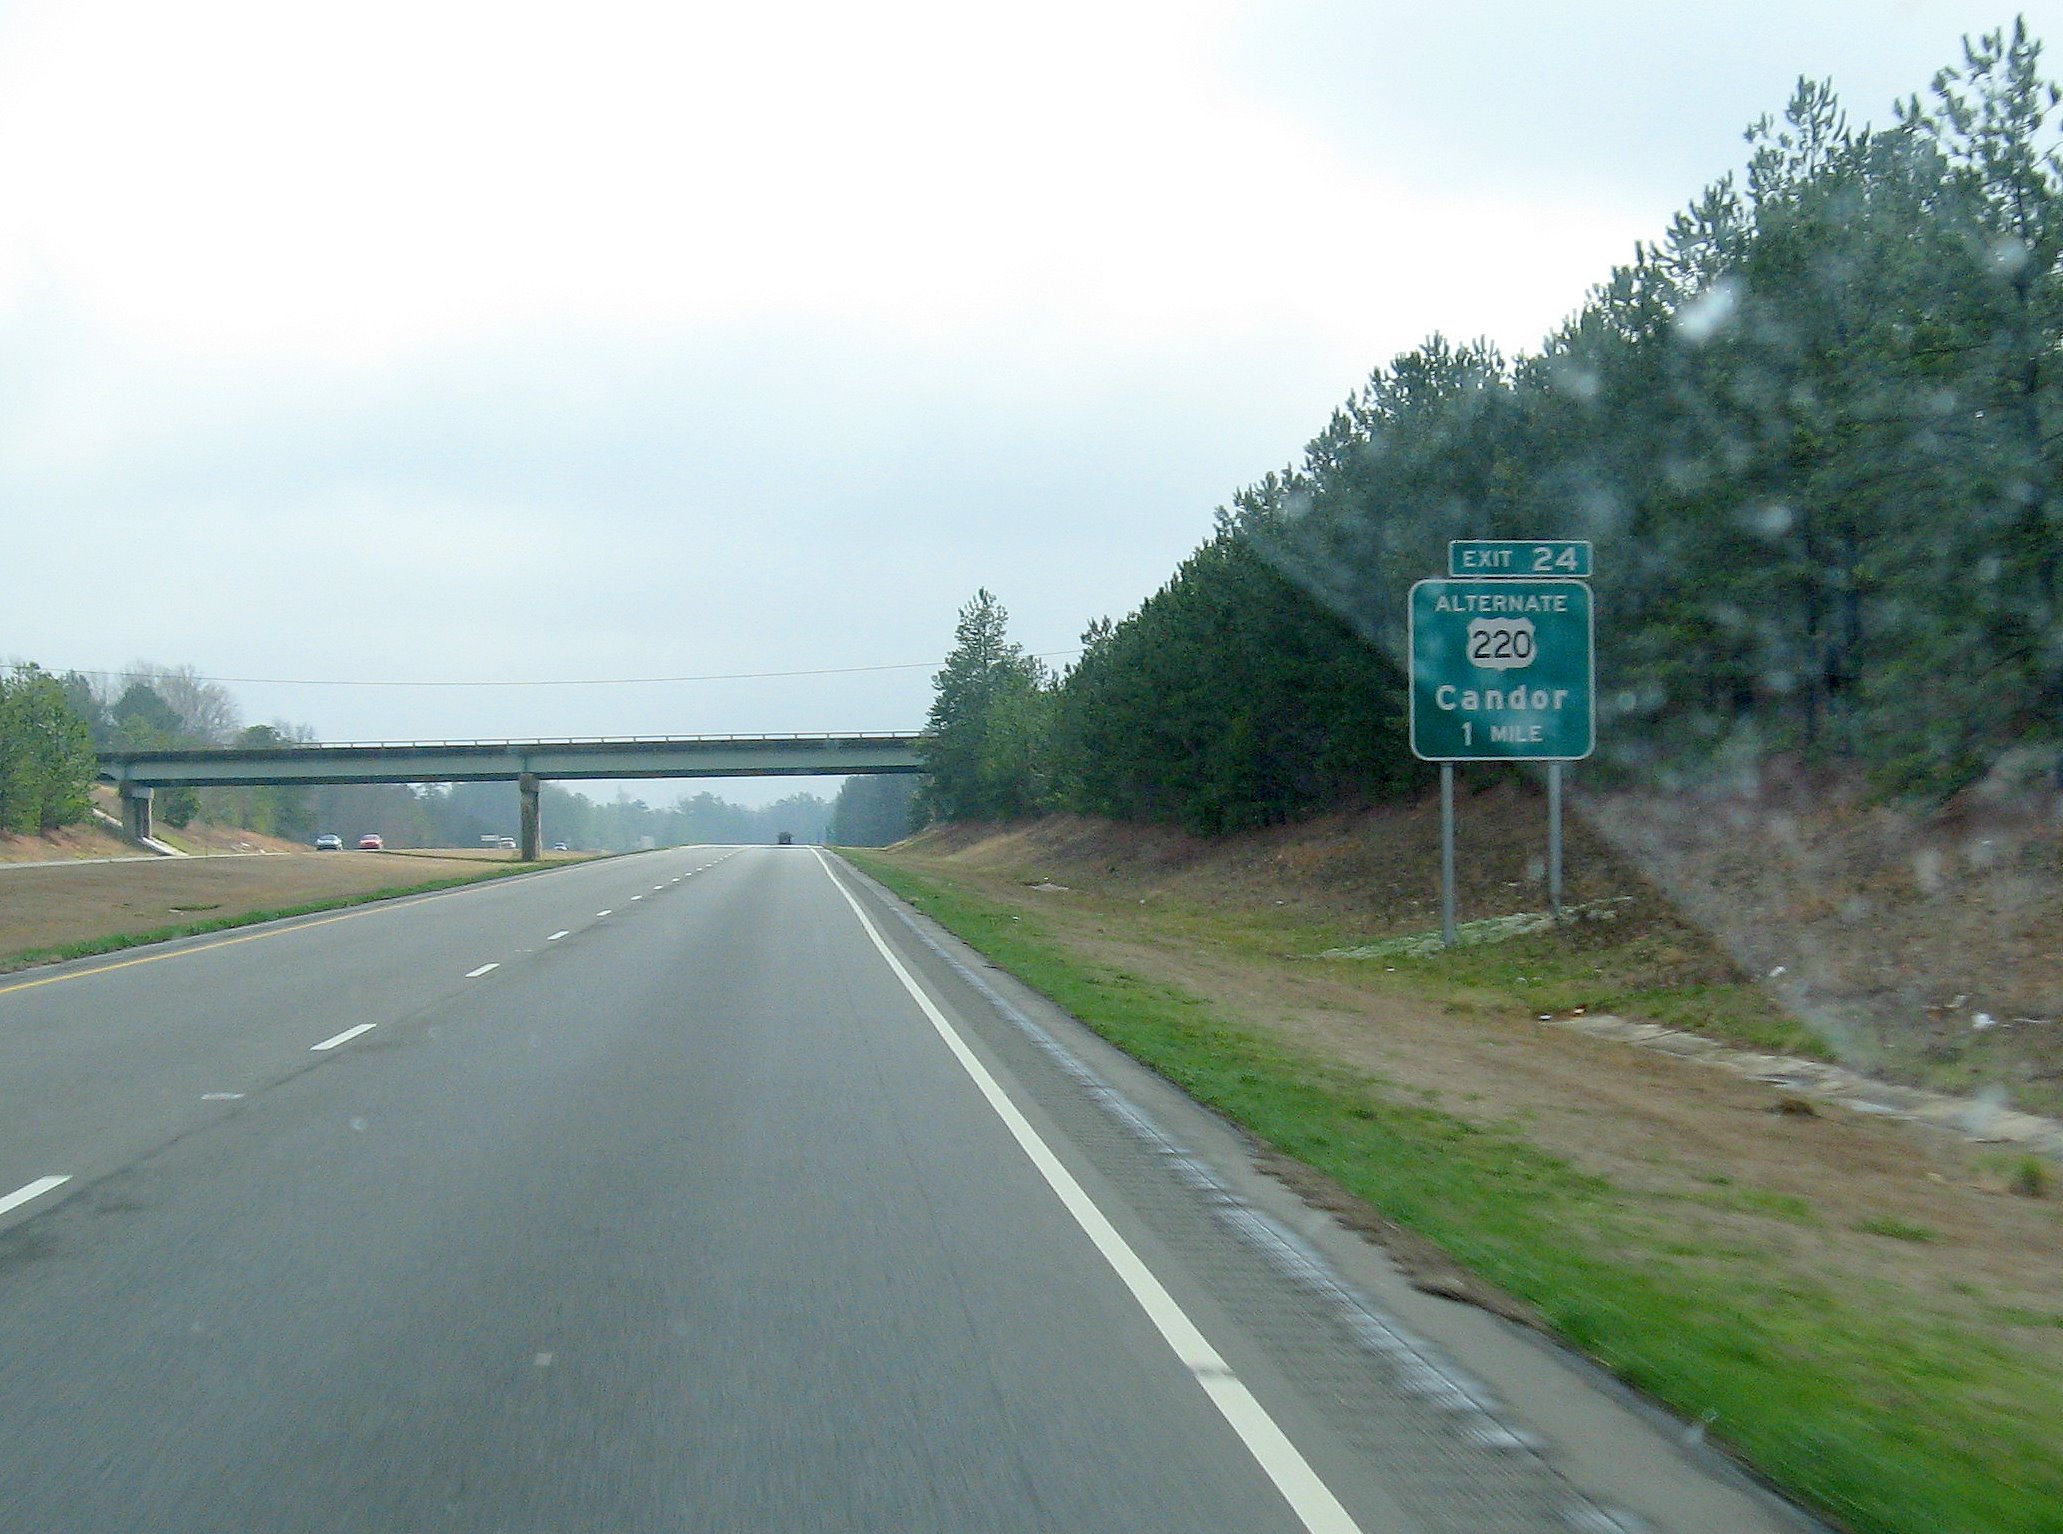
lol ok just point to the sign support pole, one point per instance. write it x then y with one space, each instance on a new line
1503 669
1447 930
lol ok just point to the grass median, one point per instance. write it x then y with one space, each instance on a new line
115 942
1880 1405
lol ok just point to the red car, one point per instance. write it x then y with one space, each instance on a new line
370 842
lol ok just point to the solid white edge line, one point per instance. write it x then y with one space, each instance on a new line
1308 1496
557 935
343 1038
30 1191
475 974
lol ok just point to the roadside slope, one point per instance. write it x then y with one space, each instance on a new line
1864 1310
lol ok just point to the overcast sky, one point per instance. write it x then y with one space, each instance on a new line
469 343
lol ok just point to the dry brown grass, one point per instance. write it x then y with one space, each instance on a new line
70 844
49 907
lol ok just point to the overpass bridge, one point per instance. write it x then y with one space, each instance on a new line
526 763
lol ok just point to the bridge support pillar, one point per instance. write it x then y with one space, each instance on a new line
136 811
531 832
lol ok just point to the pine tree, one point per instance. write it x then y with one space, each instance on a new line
984 748
46 754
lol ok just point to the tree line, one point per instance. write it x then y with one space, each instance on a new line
52 725
1228 699
46 754
1812 433
872 810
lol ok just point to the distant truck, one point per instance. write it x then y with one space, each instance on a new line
787 838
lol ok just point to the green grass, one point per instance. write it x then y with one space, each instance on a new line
1896 1229
2023 1176
1757 1201
88 948
1783 1206
2031 1178
1895 1419
1657 978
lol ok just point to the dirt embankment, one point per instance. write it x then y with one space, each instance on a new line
1372 872
100 836
71 844
1927 949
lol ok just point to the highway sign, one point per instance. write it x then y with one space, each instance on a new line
1502 670
1508 558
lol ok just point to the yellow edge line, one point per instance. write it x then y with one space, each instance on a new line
370 908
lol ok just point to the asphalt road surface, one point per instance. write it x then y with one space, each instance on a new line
705 1190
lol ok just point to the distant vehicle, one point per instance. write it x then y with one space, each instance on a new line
370 842
508 844
329 841
560 847
787 838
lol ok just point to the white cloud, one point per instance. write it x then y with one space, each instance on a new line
253 178
500 340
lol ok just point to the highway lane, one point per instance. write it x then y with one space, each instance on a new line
107 1058
735 1208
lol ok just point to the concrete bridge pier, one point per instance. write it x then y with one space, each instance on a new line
136 811
530 834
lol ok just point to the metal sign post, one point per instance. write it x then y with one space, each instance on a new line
1447 929
1502 670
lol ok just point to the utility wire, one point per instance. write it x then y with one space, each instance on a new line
592 681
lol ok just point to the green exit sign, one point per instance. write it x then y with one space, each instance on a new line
1502 670
1506 558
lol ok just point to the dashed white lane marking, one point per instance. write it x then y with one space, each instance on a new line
475 974
220 1097
33 1190
657 888
637 897
557 935
343 1038
605 913
1283 1463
